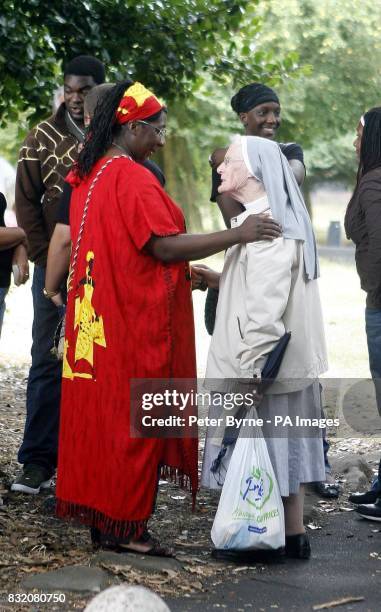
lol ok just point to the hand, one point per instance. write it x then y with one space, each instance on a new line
257 394
197 282
20 259
251 386
57 300
205 277
259 227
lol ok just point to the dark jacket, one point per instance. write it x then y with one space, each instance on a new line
45 158
363 226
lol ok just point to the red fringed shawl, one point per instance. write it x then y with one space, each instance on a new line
128 316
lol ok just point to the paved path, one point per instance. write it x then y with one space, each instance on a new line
339 254
342 566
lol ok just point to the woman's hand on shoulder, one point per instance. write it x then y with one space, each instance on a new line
259 227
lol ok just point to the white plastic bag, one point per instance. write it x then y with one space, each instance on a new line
250 513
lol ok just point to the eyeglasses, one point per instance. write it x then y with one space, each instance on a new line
161 132
229 160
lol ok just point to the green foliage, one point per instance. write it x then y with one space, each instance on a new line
338 41
11 138
193 53
332 161
167 45
9 143
333 37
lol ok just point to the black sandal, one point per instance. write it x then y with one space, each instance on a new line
108 542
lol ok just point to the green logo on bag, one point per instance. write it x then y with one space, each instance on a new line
257 488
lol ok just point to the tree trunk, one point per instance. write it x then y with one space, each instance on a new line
176 160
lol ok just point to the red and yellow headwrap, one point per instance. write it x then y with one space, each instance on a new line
137 103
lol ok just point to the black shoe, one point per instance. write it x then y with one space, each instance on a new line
328 490
372 512
298 546
49 505
249 556
95 536
32 479
370 497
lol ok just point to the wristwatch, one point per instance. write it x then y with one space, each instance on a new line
49 294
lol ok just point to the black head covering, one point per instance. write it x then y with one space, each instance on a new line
86 65
252 95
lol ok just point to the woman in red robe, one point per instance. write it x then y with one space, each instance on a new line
129 316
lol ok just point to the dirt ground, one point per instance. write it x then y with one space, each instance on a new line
32 540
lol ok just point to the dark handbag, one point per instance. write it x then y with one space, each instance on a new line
210 309
274 361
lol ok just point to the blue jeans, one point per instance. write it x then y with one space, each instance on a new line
43 392
3 293
373 335
327 465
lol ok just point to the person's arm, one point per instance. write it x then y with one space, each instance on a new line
20 259
198 246
29 191
57 266
293 152
11 237
370 199
229 208
268 282
298 170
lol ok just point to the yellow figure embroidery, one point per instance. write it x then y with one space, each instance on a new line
89 324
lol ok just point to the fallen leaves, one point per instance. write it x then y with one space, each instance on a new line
32 540
166 582
375 555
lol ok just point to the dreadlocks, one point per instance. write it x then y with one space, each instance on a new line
370 151
102 130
